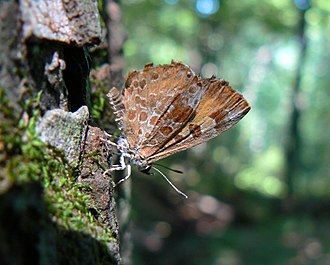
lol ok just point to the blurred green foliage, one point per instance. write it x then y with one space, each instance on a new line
254 45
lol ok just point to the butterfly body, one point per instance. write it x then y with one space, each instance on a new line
132 155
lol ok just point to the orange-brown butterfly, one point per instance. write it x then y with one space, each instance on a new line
166 109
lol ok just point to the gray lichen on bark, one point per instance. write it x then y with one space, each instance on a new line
65 131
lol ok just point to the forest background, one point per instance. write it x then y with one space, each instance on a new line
258 193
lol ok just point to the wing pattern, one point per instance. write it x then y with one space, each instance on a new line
166 109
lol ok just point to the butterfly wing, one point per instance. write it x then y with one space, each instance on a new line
157 103
220 108
166 109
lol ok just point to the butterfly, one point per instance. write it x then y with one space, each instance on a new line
165 109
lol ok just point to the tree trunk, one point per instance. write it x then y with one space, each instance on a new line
293 145
56 204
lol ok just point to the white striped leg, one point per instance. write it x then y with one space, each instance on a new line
122 165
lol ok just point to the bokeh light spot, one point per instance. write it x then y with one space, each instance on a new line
207 7
302 4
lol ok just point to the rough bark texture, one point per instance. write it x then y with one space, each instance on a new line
44 46
70 22
101 189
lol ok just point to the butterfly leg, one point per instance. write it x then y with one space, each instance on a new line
122 165
129 171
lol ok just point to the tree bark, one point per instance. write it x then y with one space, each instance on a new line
46 46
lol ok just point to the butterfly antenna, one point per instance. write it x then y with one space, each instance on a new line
169 182
171 169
